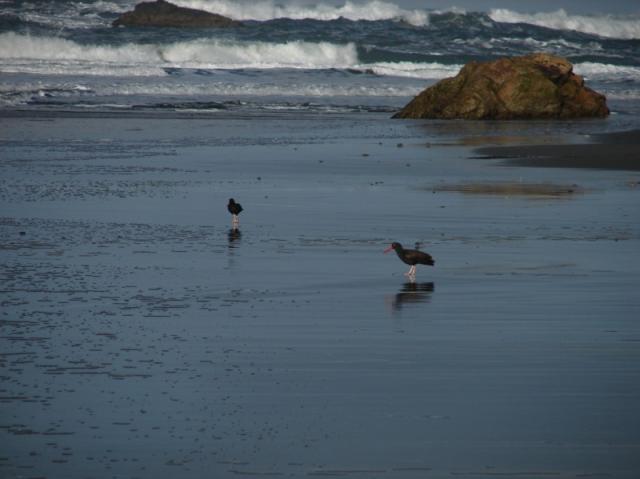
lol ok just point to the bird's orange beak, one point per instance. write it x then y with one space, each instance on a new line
388 249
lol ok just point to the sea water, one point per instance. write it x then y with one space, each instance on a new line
350 57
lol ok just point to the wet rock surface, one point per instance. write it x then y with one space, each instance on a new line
166 14
537 86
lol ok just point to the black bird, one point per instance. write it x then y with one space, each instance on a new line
411 256
235 209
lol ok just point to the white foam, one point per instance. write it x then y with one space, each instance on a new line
426 71
29 54
600 72
27 47
263 10
612 26
68 14
605 72
250 89
232 55
50 55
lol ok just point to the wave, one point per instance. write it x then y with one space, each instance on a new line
603 72
58 56
61 15
53 55
591 71
612 26
264 10
25 53
424 71
170 89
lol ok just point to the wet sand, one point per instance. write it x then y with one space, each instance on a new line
613 151
142 337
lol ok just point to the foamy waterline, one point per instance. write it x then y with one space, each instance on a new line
167 90
627 27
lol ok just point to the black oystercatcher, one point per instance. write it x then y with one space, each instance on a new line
235 209
411 256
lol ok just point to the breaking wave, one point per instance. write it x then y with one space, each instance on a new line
263 10
603 72
25 53
64 14
425 71
52 55
57 56
612 26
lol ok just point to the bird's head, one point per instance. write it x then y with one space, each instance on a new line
394 246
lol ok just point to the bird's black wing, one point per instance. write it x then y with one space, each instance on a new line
426 258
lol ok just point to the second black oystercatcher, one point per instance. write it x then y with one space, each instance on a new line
235 209
411 257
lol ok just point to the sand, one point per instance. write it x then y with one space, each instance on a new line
613 151
142 337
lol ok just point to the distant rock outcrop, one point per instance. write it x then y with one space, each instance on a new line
165 14
528 87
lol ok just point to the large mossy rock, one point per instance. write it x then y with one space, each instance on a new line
528 87
165 14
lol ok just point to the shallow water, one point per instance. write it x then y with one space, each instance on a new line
141 337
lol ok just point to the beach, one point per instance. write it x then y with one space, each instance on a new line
143 337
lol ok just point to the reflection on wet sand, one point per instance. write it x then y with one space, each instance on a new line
234 236
513 189
413 293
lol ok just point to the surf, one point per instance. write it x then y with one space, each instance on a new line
268 10
47 54
610 26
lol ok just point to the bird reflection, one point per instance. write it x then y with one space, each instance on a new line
412 293
234 236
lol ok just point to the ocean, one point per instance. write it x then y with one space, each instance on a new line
371 56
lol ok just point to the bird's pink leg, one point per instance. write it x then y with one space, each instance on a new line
235 221
412 271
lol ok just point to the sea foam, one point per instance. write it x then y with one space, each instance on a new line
613 26
52 55
63 15
263 10
58 56
425 71
49 54
604 72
